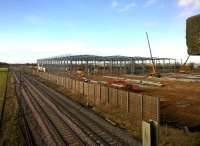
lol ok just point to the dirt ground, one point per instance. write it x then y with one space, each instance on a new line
180 97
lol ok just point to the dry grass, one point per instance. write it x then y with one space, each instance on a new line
10 133
3 77
176 137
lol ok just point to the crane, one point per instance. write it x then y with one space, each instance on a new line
154 72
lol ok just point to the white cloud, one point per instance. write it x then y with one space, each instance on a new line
189 3
127 7
184 2
149 3
115 4
123 8
189 7
187 12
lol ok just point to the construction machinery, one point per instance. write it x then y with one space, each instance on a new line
124 85
154 72
184 68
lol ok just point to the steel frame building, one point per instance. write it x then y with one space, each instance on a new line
104 62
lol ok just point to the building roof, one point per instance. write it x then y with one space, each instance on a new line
100 58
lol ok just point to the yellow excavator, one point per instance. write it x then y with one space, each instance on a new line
184 68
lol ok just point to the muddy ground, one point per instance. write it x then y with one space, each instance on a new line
180 97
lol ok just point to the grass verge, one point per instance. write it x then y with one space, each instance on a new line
3 78
10 134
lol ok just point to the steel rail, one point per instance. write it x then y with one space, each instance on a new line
94 131
78 111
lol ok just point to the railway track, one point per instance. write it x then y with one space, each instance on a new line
64 122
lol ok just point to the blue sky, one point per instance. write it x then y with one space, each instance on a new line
32 29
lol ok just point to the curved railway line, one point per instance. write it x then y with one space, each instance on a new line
65 122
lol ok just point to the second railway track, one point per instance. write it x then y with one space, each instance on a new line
68 123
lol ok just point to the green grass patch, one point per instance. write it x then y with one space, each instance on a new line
3 78
3 69
10 134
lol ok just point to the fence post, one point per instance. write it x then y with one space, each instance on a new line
83 90
64 81
108 96
88 95
56 79
74 86
100 93
142 108
158 109
158 119
117 97
127 101
67 83
94 98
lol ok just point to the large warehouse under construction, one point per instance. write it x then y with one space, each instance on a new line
93 64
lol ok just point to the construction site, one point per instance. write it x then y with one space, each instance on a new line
94 100
133 74
158 89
